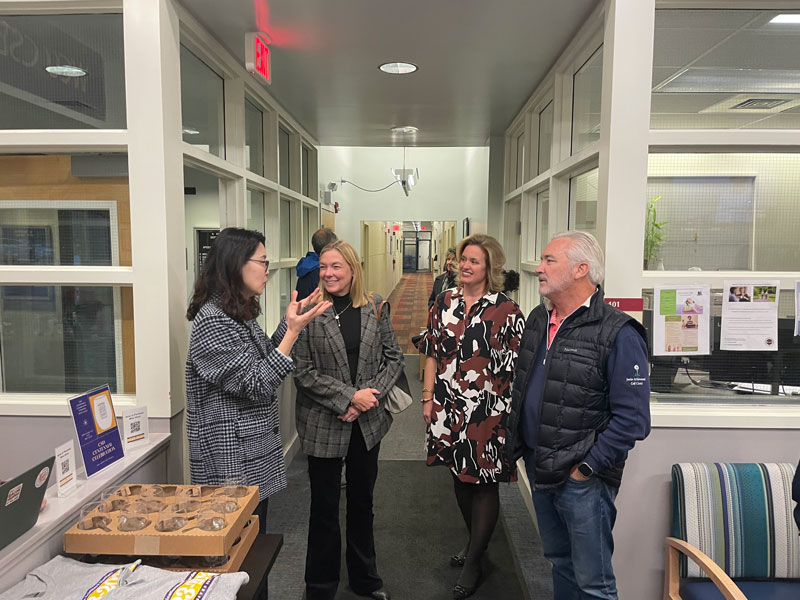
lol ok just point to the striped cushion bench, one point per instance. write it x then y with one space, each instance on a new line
740 515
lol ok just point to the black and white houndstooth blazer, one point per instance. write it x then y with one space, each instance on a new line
322 378
233 372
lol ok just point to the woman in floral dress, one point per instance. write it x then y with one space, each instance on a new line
471 343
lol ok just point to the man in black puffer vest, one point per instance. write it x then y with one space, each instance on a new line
581 399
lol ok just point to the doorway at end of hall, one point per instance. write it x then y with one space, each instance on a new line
417 247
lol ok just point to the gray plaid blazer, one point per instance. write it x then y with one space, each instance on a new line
322 377
233 372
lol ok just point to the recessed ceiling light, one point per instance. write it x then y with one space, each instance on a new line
65 70
787 18
405 129
190 131
398 68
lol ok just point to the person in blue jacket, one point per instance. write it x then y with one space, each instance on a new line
308 266
581 400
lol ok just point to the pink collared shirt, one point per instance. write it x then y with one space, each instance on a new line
554 323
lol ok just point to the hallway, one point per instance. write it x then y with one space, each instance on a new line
409 302
417 526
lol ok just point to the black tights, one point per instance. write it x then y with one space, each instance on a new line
480 506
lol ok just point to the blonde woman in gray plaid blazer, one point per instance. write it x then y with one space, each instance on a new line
233 370
346 364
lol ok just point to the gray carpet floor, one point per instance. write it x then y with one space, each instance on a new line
417 526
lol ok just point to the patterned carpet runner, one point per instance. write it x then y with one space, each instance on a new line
409 302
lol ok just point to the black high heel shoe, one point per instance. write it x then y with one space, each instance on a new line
457 560
463 591
460 591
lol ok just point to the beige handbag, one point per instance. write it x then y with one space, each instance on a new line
399 397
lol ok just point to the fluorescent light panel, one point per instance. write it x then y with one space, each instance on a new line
734 81
792 18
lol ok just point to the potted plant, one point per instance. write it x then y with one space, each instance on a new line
653 235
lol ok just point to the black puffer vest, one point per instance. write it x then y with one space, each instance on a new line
575 404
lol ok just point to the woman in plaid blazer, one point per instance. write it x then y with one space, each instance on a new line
346 364
233 370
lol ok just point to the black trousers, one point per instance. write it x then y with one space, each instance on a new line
323 556
261 511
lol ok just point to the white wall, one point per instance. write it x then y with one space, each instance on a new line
453 184
18 431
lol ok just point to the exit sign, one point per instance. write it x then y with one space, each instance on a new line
257 59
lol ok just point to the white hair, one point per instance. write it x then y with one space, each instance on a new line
585 248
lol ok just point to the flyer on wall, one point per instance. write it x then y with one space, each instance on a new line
750 315
681 320
96 425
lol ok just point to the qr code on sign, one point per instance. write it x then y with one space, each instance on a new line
136 426
65 466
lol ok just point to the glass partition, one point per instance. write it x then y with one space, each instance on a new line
717 212
202 105
725 69
287 223
287 282
587 86
86 223
545 138
305 157
519 177
542 220
202 212
310 225
583 202
66 339
256 215
62 72
284 142
727 377
253 138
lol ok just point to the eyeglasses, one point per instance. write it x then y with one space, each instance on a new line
263 262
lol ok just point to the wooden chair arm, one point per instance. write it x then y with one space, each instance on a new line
674 546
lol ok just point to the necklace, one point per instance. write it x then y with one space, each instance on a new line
337 315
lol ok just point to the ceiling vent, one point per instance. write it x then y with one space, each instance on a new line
759 104
756 104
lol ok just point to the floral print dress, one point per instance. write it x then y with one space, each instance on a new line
476 357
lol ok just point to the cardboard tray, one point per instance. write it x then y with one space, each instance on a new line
236 556
188 541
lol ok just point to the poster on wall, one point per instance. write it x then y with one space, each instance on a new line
96 425
681 320
750 315
797 308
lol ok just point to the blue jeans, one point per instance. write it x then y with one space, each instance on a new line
575 522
